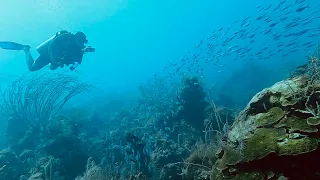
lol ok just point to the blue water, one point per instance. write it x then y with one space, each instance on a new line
134 39
236 48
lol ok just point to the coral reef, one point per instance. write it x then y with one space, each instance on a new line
167 160
276 135
32 101
188 137
10 165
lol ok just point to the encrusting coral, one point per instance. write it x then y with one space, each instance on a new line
279 133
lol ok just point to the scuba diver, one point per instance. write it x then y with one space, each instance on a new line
63 48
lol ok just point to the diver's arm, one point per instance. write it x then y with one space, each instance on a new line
78 62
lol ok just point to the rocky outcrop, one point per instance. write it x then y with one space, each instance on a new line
276 136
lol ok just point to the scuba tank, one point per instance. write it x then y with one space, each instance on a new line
62 48
43 48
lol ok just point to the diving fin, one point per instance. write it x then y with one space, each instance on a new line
12 45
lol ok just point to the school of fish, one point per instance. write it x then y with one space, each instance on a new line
293 26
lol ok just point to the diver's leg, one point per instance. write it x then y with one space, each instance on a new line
29 59
39 63
34 65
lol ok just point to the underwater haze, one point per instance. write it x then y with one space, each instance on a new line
170 82
134 39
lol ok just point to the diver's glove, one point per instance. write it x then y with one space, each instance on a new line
74 66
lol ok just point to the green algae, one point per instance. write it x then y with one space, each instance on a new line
262 143
296 124
297 146
288 101
313 121
273 115
240 176
230 157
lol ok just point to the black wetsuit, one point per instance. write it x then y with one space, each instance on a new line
62 46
